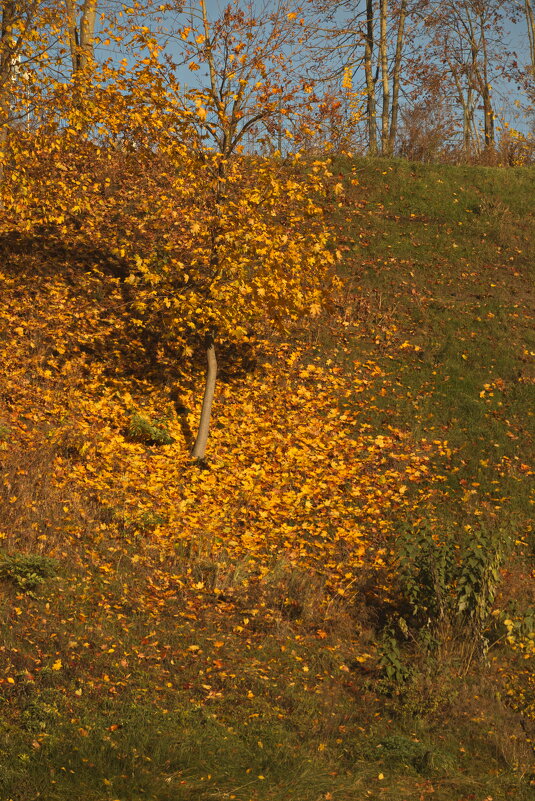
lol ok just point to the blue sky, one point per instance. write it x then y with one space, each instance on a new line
506 92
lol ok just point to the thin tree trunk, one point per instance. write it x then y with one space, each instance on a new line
486 93
72 27
530 21
199 449
467 104
396 78
383 54
488 113
81 35
225 149
370 83
87 31
467 123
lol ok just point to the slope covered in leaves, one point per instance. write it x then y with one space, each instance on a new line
204 633
293 474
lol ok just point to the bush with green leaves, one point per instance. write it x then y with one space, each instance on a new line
449 578
141 429
391 662
27 572
447 587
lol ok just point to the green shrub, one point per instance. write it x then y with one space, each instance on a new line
395 671
447 587
27 571
141 429
444 579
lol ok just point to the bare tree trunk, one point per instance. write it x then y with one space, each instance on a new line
466 100
72 27
530 20
199 449
370 83
383 55
474 81
467 104
225 144
81 34
479 71
488 111
468 115
396 78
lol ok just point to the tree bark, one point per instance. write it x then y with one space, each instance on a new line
383 54
467 103
370 83
81 35
199 449
486 93
530 21
396 78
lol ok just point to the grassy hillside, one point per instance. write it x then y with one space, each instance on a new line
341 605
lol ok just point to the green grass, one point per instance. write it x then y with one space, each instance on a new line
450 255
439 273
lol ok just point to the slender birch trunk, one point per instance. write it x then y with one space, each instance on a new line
467 103
530 21
81 35
486 92
199 449
396 77
468 118
474 82
383 55
371 105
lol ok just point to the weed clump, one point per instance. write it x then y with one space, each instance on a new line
27 572
141 429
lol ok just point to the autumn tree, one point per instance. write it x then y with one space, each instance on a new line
369 39
25 27
197 240
248 59
464 56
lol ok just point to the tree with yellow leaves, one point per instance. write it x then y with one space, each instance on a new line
259 255
208 241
